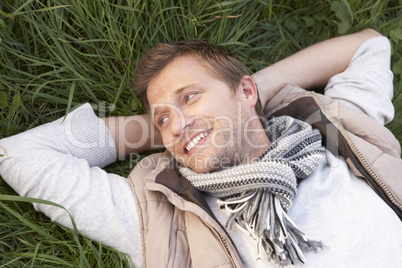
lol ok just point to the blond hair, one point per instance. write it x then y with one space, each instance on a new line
222 63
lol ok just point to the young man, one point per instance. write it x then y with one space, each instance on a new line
203 104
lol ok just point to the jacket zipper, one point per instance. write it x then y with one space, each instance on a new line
357 153
224 242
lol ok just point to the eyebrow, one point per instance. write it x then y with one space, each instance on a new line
154 115
181 89
176 92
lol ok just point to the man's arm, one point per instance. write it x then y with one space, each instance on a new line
133 134
61 162
312 66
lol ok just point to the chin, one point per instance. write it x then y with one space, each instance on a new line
204 162
203 169
208 167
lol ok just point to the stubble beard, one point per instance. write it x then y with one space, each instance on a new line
224 151
226 148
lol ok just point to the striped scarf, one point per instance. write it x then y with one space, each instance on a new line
258 194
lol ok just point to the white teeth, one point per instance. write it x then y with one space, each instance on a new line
192 143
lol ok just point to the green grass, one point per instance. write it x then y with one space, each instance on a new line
57 54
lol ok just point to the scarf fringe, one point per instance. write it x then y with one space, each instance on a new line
260 214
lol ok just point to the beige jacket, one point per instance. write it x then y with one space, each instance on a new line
179 230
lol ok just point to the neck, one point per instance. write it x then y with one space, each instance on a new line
255 142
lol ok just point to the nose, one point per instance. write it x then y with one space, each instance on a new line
179 122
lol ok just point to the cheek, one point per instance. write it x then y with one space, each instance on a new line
169 142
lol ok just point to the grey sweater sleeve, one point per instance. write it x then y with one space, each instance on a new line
61 162
366 84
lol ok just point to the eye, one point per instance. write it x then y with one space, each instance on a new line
188 97
162 120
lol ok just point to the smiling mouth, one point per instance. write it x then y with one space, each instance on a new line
197 139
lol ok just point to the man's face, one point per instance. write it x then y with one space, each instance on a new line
198 116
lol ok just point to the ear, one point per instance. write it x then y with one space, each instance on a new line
249 90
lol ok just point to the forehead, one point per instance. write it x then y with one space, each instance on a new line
178 74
